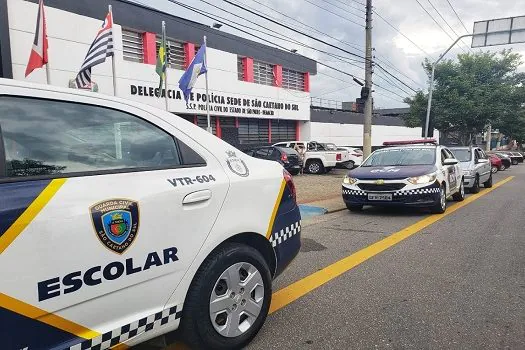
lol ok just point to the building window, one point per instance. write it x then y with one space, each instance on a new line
263 73
202 122
293 80
132 45
253 131
175 53
240 68
283 130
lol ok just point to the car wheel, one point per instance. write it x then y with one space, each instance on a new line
350 165
315 167
441 205
294 172
488 183
494 169
514 162
502 167
460 194
475 187
354 207
228 300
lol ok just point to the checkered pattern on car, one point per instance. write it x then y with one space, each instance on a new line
417 191
354 192
119 335
286 233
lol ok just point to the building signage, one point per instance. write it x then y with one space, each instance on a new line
218 102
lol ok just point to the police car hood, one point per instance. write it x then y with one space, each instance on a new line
391 172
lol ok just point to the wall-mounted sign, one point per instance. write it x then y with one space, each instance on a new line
218 102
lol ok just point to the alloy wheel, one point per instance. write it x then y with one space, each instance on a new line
236 299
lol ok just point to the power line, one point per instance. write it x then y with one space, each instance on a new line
350 5
397 30
389 64
336 14
444 20
279 46
344 9
295 30
352 45
436 22
460 21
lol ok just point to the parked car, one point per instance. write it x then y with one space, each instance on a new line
287 157
117 240
515 157
506 162
356 156
495 163
475 165
411 175
318 158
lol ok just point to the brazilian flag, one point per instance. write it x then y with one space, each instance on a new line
161 60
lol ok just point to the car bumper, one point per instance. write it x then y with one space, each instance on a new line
417 197
468 181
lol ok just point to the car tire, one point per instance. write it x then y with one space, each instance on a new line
315 167
441 205
494 169
476 187
514 162
488 183
459 196
354 207
502 167
294 172
350 165
204 328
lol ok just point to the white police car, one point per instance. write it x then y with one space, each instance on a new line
416 173
118 222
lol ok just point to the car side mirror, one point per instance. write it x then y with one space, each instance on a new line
450 161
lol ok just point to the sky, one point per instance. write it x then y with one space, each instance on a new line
341 23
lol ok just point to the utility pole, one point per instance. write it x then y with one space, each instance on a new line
367 127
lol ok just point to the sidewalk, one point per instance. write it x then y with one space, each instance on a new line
322 191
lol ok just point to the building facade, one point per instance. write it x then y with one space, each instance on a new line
257 94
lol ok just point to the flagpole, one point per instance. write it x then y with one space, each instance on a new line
113 64
48 74
210 129
166 99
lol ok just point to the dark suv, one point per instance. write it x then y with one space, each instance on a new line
288 157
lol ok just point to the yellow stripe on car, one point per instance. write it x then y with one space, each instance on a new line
275 209
30 213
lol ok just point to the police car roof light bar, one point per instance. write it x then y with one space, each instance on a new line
410 142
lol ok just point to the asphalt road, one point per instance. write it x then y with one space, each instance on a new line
454 282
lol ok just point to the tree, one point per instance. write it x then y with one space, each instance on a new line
477 89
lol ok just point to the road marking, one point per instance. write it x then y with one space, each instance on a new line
298 289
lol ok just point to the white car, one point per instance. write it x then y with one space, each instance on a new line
410 174
318 157
476 167
355 156
120 222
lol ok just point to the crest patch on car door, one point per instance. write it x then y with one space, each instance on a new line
236 164
116 223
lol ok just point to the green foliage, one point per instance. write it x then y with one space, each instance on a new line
477 89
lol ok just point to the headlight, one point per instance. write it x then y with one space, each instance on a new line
349 180
424 179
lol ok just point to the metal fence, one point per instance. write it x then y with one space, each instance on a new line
325 103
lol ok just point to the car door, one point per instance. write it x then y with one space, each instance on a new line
451 172
484 165
262 153
103 209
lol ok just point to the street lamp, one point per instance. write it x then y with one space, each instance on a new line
501 31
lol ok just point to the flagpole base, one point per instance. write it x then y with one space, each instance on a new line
209 129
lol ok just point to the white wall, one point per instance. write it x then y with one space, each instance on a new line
70 36
352 134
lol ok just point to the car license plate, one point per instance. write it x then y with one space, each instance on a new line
380 196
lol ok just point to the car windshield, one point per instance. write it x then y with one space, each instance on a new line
462 154
401 156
